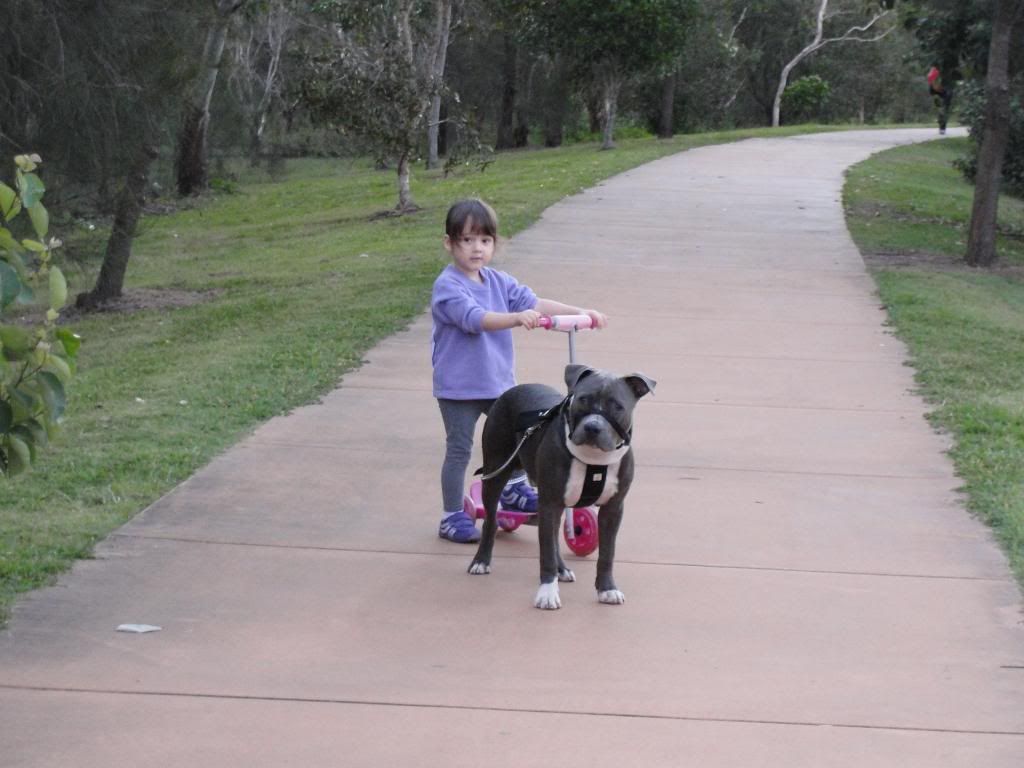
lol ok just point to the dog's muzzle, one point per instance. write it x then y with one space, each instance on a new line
594 429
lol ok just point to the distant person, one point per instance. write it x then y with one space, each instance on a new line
942 96
475 308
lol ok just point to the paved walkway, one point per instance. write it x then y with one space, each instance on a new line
803 587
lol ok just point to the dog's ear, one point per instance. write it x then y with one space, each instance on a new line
640 384
576 373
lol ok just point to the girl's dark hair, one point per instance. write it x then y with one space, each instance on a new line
472 214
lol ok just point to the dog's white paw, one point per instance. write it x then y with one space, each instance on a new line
566 575
478 569
547 597
611 597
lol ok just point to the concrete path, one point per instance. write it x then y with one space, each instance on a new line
803 586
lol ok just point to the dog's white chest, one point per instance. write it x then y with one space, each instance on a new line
581 475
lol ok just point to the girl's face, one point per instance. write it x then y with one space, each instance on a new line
471 251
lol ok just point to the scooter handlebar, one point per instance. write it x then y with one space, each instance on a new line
565 322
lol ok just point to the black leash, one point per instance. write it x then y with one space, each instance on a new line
532 421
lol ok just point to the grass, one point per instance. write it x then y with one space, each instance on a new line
908 210
299 279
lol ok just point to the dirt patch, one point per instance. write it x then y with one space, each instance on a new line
141 299
939 262
394 213
136 300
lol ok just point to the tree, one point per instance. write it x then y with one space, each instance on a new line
86 93
951 34
880 11
513 41
191 166
708 78
95 71
438 57
257 55
981 240
612 43
377 80
110 282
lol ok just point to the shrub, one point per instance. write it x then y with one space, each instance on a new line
971 98
805 98
36 360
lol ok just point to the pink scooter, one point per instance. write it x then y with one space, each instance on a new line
580 526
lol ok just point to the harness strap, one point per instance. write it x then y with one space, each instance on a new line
594 477
527 422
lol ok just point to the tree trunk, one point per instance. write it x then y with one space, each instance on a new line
256 137
609 106
434 132
554 100
190 162
262 110
521 133
443 9
594 110
981 240
405 201
506 118
110 282
668 99
442 135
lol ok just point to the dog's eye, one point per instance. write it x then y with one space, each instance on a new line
615 406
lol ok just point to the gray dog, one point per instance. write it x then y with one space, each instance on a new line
577 452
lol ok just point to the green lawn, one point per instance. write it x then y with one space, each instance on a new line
908 210
299 279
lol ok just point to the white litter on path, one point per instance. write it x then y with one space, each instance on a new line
138 628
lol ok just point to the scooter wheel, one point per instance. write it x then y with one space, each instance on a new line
585 527
508 523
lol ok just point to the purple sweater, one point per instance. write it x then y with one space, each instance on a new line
470 363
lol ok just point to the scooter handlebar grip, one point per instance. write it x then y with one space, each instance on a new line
566 322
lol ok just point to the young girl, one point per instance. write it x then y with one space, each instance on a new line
474 309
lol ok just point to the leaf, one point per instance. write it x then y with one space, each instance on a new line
10 285
36 430
19 457
34 245
23 433
16 341
53 395
59 367
25 162
10 205
7 241
26 296
22 402
71 341
6 417
58 289
31 188
40 219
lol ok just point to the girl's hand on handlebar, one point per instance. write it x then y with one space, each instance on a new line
597 319
528 318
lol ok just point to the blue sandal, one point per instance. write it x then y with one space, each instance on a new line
519 496
459 527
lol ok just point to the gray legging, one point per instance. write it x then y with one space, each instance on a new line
460 417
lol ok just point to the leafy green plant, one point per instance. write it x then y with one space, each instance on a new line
36 360
804 99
